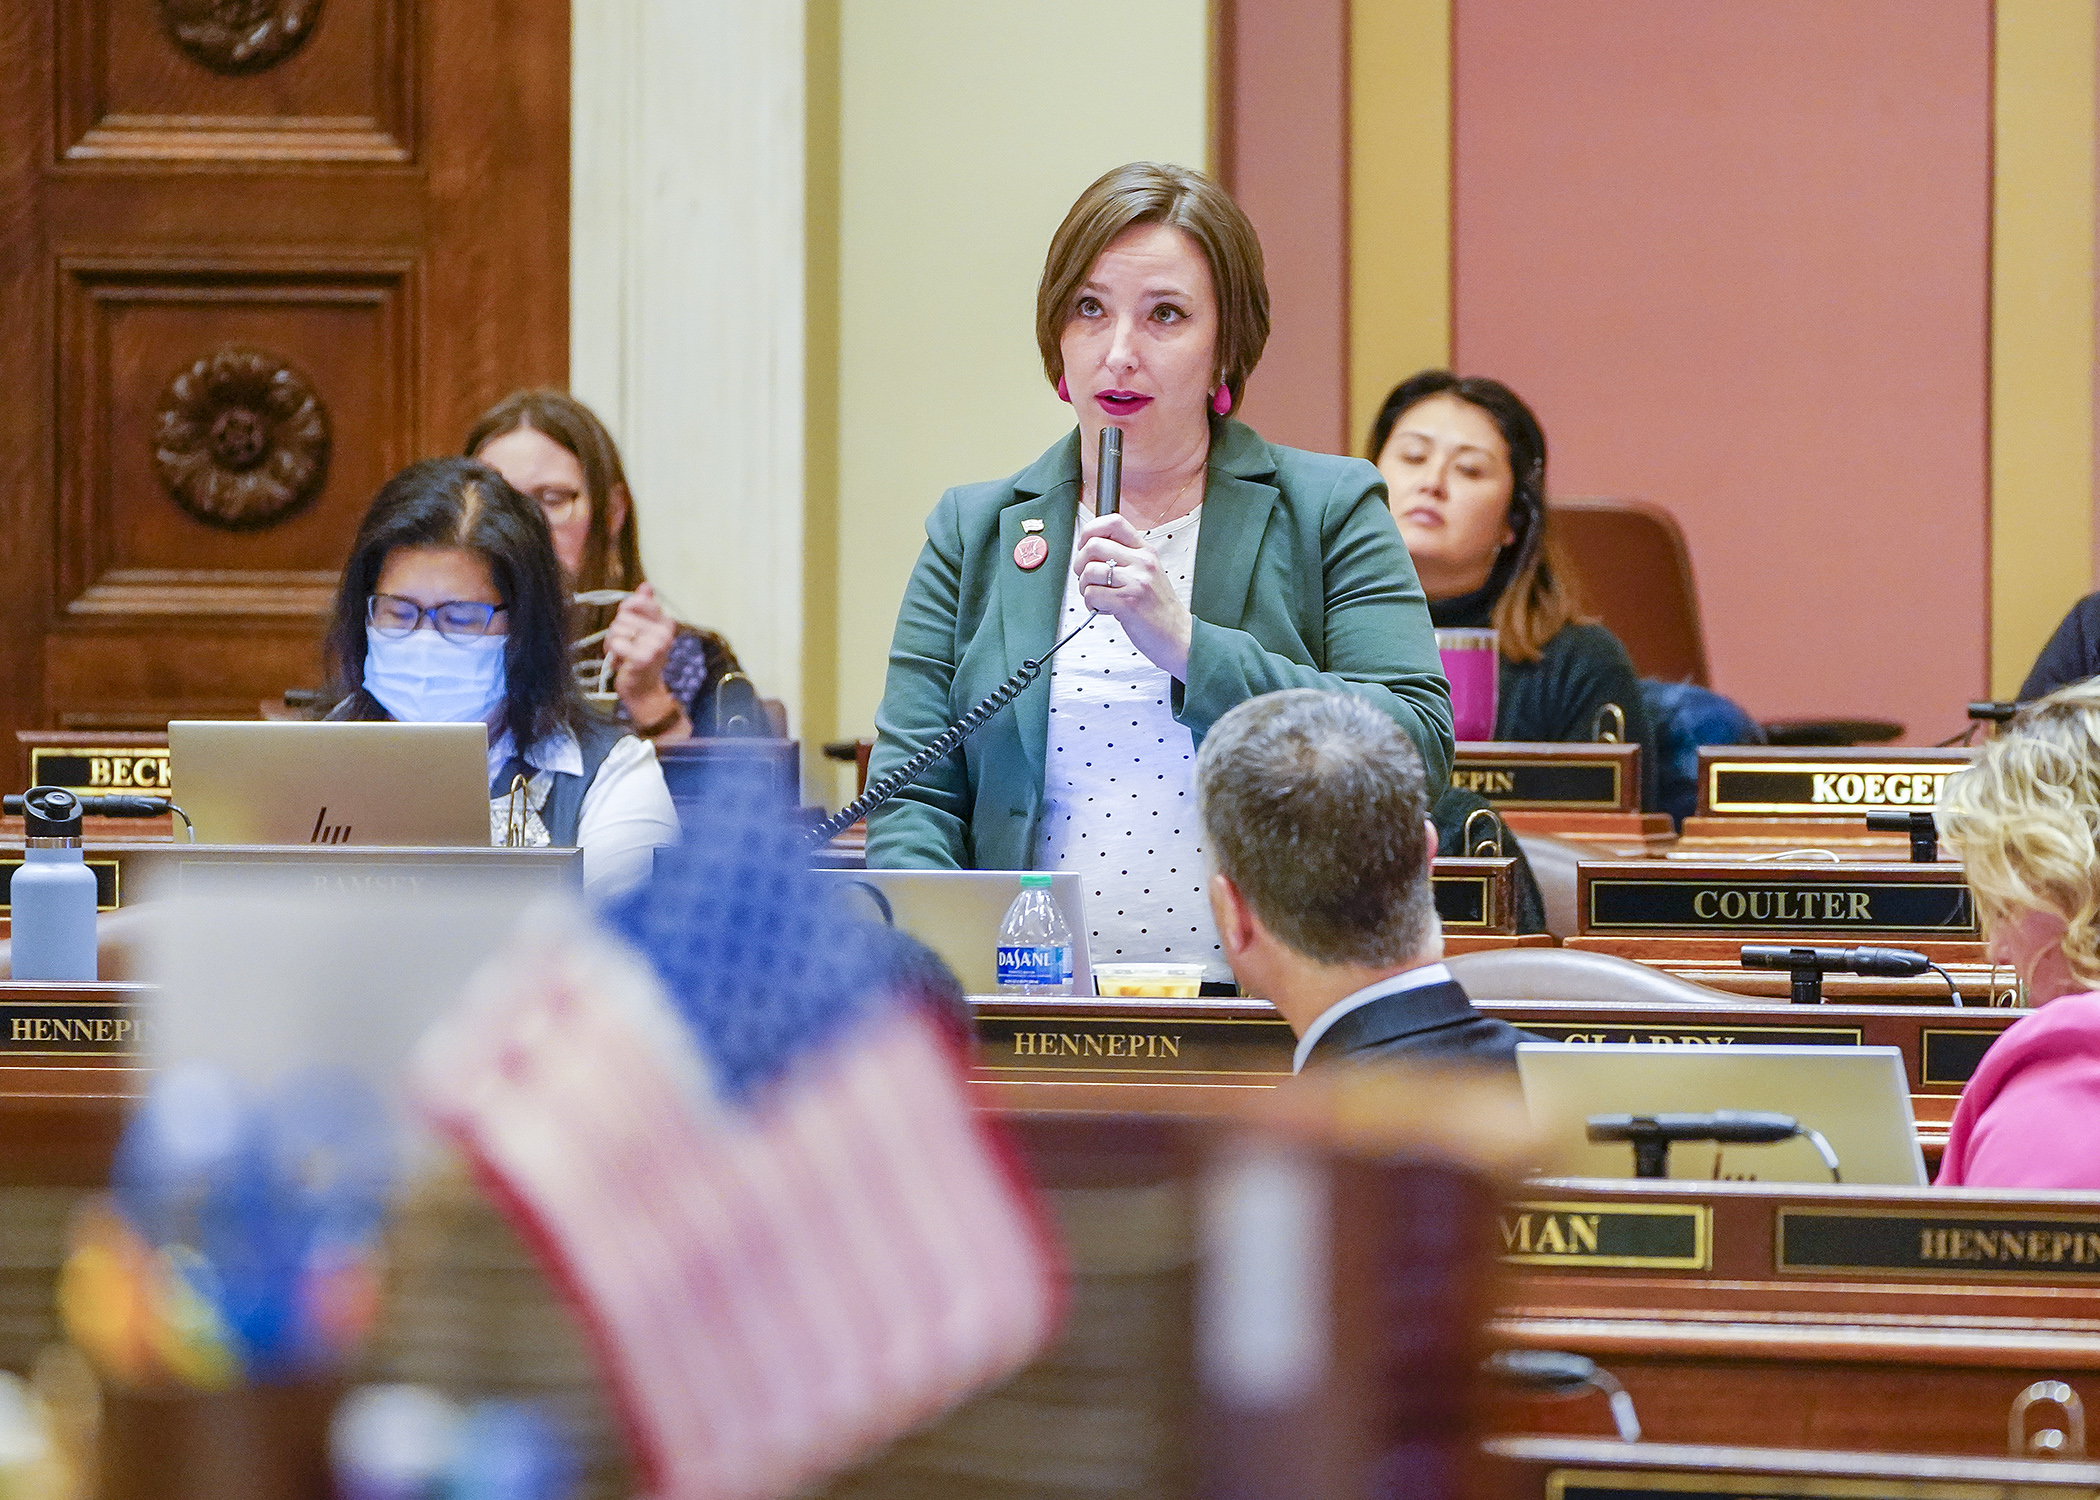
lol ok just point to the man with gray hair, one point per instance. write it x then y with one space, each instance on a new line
1316 815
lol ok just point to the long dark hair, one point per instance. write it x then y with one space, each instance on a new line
1533 592
456 502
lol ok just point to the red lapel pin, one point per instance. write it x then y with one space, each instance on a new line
1031 553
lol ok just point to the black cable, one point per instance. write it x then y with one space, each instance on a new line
1953 990
946 743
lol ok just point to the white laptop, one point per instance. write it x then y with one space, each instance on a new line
1858 1097
957 914
262 782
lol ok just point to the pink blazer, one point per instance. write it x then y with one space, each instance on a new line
2030 1118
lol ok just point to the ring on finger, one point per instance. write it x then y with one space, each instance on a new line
1111 575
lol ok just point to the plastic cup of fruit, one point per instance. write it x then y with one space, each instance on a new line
1148 981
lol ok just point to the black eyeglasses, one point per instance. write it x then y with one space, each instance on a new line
455 619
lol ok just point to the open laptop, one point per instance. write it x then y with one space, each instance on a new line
260 782
1858 1097
957 914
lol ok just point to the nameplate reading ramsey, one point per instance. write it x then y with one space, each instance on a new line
1638 1236
1832 899
67 1028
1669 1484
1940 1244
1547 782
107 886
1695 1036
112 768
1820 787
1139 1045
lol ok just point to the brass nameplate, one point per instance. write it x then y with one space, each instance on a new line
1939 1244
67 1028
1749 903
111 768
1654 1237
1951 1055
1695 1036
1142 1045
1519 784
1821 788
1462 900
1665 1484
108 889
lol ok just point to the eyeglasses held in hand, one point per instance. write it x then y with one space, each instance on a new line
455 619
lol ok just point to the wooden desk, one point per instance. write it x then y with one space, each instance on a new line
1587 793
1560 1468
1900 1319
1757 799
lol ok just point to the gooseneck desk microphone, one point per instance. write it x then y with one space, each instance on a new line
1652 1135
1108 499
1808 965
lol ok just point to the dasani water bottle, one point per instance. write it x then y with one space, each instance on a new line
1035 946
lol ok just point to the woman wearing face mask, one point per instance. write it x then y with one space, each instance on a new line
452 610
1465 461
2024 819
1235 568
553 449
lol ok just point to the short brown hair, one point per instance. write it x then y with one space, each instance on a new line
1314 805
1533 585
1150 192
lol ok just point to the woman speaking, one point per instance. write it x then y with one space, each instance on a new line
1233 568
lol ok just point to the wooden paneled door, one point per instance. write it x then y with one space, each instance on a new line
255 255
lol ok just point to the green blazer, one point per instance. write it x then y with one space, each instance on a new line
1301 581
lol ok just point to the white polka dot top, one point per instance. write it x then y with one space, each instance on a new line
1119 795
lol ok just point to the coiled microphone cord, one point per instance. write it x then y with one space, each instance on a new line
947 742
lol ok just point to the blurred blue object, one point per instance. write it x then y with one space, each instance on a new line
511 1450
1685 717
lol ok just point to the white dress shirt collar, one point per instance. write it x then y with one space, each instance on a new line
558 751
1409 979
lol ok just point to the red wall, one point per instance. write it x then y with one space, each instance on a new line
1737 258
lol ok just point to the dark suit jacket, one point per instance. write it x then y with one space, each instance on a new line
1436 1020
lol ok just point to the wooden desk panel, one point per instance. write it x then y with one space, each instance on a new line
1561 1468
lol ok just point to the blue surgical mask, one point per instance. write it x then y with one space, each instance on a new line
422 678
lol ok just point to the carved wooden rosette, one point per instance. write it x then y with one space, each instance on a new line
241 440
239 36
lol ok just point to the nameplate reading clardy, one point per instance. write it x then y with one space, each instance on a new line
1939 1244
1695 1036
1651 1237
108 888
113 768
1676 1484
1836 899
1137 1045
67 1028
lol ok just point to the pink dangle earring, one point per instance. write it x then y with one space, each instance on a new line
1221 402
1063 394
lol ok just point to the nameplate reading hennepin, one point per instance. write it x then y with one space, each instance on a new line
1940 1244
1676 1484
67 1028
1649 1237
1835 899
1142 1046
1553 781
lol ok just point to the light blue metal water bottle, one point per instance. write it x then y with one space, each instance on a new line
52 896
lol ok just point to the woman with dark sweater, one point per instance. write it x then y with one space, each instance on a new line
1464 462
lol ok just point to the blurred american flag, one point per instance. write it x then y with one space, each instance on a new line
753 1164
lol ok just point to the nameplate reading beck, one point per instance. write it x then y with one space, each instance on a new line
100 768
1654 1237
1555 778
1939 1244
1825 783
1923 901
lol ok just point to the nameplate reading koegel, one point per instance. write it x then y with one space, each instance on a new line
1141 1045
67 1028
1820 783
1836 899
1652 1237
1939 1243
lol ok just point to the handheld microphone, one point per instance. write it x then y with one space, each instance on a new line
1808 965
1108 498
1651 1135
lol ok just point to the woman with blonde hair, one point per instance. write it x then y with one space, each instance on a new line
2024 820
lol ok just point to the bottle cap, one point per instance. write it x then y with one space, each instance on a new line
51 812
1035 882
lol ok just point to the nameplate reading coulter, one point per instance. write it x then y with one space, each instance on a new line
1639 898
1525 777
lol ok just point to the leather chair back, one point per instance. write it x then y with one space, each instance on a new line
1629 558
